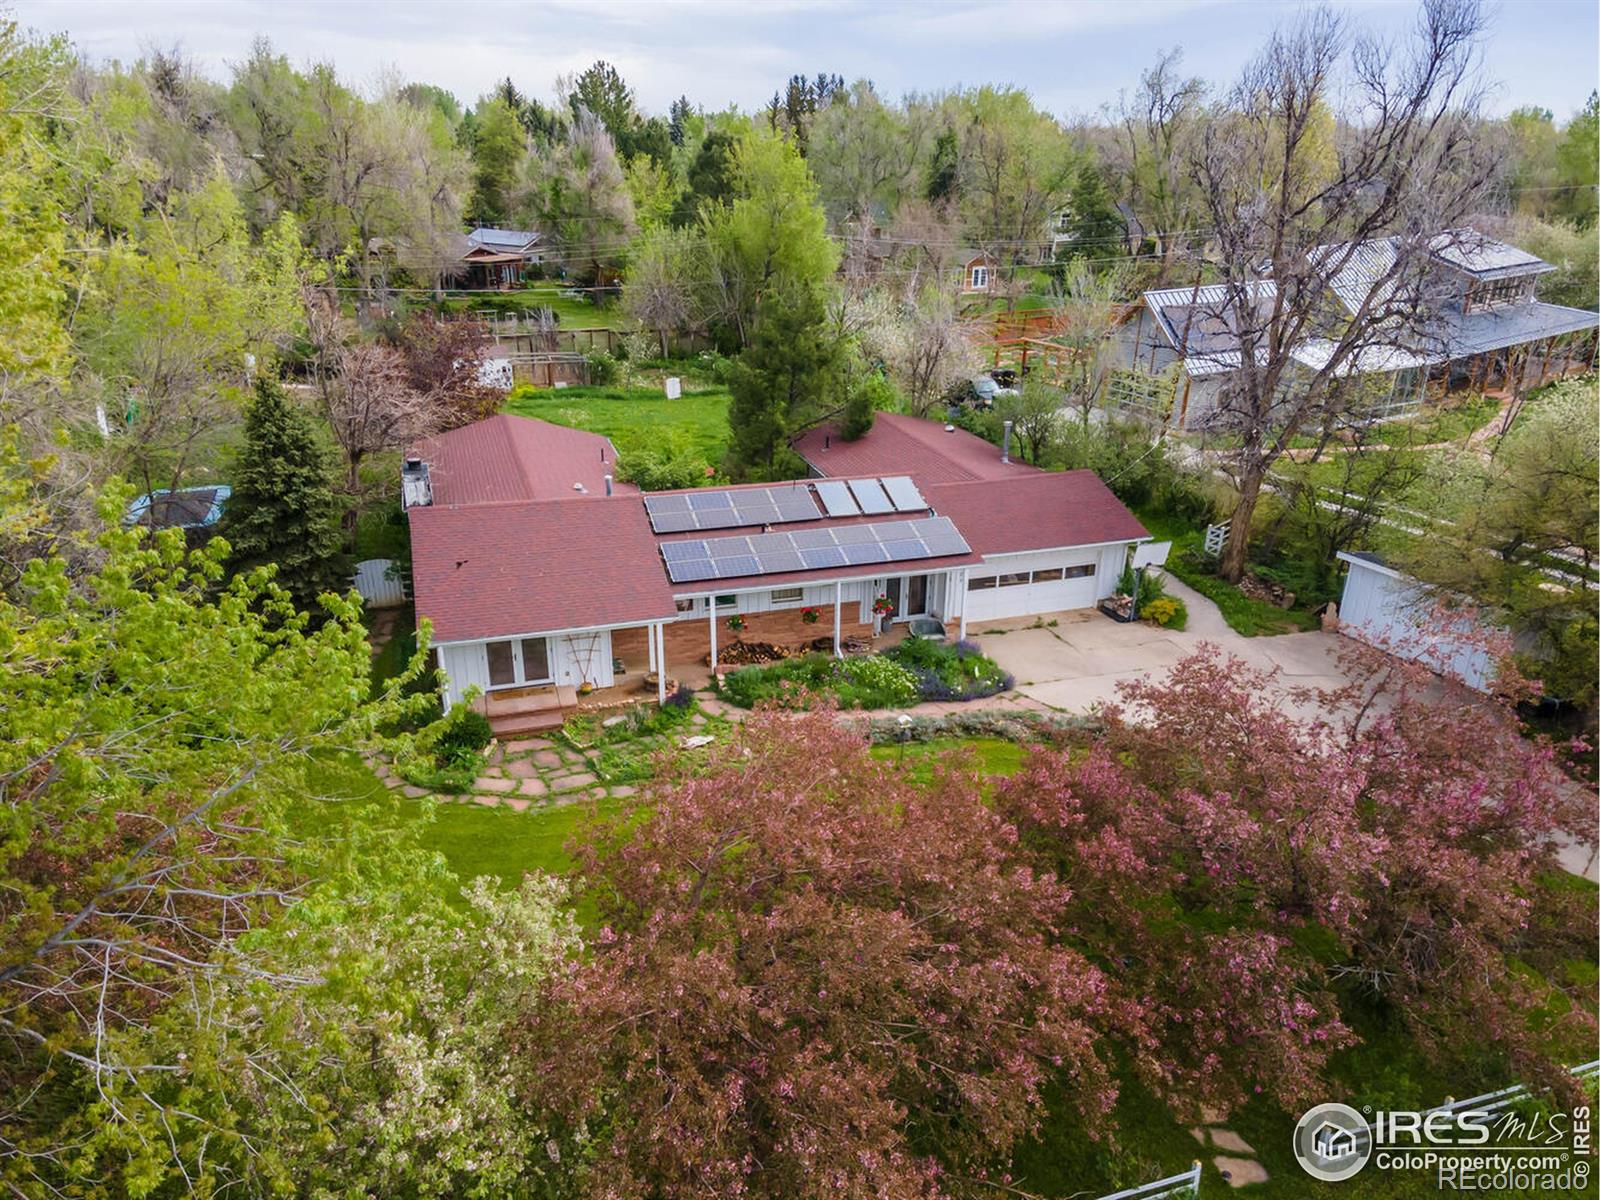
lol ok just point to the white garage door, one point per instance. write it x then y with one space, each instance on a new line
1047 585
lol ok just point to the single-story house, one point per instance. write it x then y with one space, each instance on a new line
1397 614
499 258
978 275
544 577
1486 326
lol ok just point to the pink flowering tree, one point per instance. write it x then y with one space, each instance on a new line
817 975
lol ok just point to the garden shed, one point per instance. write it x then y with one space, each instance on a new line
1395 612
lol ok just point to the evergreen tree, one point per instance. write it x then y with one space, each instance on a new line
1094 223
943 170
783 380
283 509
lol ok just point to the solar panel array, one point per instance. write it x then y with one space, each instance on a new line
812 549
682 511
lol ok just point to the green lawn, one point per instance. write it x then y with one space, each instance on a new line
993 756
622 413
572 312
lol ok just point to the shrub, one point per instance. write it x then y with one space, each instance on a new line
682 699
467 730
603 369
1166 611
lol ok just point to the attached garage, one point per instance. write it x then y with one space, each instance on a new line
1020 585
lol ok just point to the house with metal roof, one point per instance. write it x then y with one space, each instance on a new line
499 258
1483 327
546 578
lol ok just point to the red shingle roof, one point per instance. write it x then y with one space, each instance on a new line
1041 510
496 570
517 458
901 445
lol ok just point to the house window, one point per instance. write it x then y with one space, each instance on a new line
979 583
787 595
980 278
1499 291
727 601
1015 579
520 662
1082 571
1047 576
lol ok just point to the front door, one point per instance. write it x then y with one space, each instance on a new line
909 595
916 596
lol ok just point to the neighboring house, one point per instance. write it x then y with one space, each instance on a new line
1396 613
978 275
499 258
1486 325
544 577
1061 234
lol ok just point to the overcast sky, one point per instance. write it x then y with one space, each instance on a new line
1072 55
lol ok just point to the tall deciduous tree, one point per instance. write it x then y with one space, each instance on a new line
156 726
772 236
283 510
499 145
1284 204
582 201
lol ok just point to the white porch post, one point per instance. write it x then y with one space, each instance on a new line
659 645
650 644
712 600
838 606
959 580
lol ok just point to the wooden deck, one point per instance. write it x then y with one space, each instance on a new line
527 710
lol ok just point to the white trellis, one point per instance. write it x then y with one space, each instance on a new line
1217 538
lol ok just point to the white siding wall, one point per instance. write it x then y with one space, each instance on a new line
572 662
464 666
1030 599
1388 612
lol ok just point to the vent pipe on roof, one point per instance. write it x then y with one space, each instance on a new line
416 488
1005 443
827 438
608 485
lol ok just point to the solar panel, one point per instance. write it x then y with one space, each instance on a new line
690 570
866 552
836 498
903 493
678 551
665 504
673 522
810 539
861 544
718 518
870 496
700 501
823 556
902 549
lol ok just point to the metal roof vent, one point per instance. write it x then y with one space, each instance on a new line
416 489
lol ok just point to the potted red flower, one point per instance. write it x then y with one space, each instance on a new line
736 623
811 614
883 606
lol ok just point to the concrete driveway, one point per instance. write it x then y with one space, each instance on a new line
1078 661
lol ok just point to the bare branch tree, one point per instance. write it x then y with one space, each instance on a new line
1325 231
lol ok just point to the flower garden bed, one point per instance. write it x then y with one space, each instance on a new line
916 670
